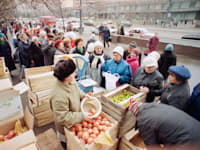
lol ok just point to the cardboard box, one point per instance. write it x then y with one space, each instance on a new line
21 140
132 141
6 84
10 104
73 140
48 141
119 112
2 66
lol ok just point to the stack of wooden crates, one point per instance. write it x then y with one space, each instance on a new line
40 81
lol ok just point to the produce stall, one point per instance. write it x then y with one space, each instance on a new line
40 81
115 103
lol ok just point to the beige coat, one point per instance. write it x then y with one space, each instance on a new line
65 103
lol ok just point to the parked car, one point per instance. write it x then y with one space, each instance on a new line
76 26
192 36
138 31
126 23
89 23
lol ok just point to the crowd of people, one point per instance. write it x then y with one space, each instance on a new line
161 120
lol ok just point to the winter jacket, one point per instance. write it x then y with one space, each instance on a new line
166 60
126 53
163 124
121 67
48 52
153 81
176 95
5 51
133 62
106 35
76 51
36 55
24 53
153 43
95 63
65 104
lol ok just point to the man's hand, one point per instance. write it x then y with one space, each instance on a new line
144 89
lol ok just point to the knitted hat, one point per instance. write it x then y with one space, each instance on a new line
133 44
90 47
119 50
155 55
169 47
134 106
149 61
180 71
98 43
57 42
1 35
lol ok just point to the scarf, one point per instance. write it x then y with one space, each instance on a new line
98 59
80 50
2 42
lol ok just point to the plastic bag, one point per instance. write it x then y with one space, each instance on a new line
111 80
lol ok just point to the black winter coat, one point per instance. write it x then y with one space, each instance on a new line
106 35
153 81
24 54
166 60
5 51
36 55
176 95
163 124
48 52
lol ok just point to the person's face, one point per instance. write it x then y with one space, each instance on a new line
98 49
61 46
80 44
172 78
71 77
150 69
117 57
1 38
36 42
50 38
130 49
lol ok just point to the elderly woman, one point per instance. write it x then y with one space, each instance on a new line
79 48
177 92
148 78
66 97
60 49
117 65
36 55
96 60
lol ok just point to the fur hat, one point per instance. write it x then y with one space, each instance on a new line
149 61
119 50
98 43
90 47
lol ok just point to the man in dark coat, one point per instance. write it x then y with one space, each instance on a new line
49 50
163 124
122 30
5 51
106 36
101 28
166 60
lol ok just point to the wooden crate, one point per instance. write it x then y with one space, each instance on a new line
36 70
73 140
6 75
41 97
132 141
2 66
120 113
41 81
43 114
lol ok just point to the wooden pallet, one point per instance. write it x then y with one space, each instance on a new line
118 112
73 140
132 141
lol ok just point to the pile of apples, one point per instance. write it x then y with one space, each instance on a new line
10 135
89 129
